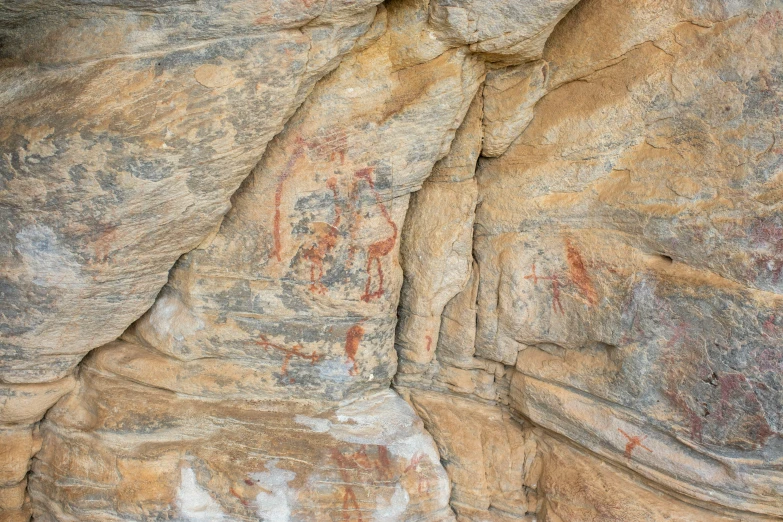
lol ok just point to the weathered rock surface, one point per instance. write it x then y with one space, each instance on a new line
128 451
294 300
627 259
125 131
554 227
636 266
21 407
436 255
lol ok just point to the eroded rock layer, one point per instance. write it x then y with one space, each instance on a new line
552 228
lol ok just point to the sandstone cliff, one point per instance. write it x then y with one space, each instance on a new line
420 260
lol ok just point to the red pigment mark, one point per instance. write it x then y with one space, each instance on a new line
383 457
415 460
769 360
672 391
325 243
353 463
770 21
633 442
352 339
429 342
771 264
423 483
350 503
351 207
379 249
579 273
328 146
556 304
284 175
736 390
770 328
694 419
737 415
249 482
238 496
289 354
533 275
767 234
729 384
325 147
556 294
103 246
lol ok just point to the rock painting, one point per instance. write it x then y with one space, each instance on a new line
288 353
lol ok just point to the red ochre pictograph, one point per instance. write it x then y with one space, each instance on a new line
633 442
327 238
352 339
577 274
325 242
358 462
414 466
290 353
376 251
556 304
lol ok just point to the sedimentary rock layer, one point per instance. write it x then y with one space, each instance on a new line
552 228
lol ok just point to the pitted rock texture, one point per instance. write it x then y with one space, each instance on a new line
553 228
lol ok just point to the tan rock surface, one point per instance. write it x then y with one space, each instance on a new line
436 255
626 251
510 95
21 407
555 227
292 300
130 451
578 486
125 131
628 264
489 458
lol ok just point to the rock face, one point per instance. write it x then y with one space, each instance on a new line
124 136
639 297
626 248
554 229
